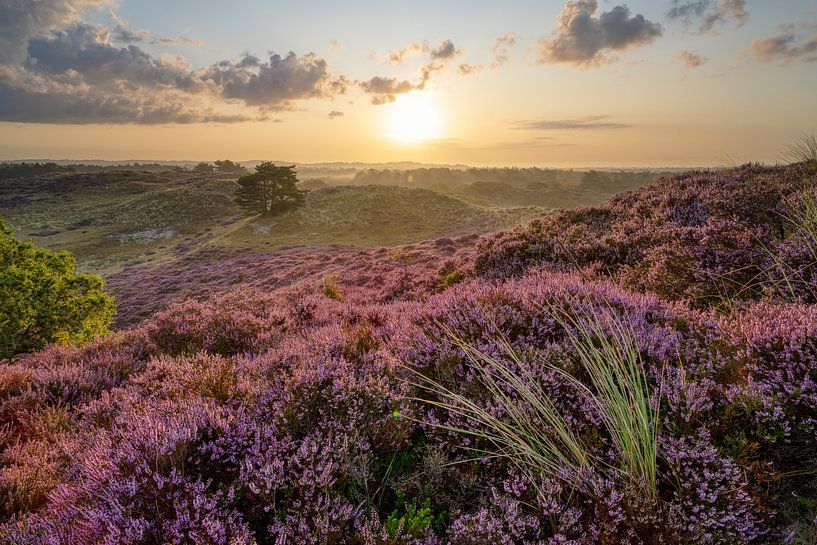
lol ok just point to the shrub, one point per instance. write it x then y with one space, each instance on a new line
43 299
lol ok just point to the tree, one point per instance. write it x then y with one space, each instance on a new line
204 168
43 299
226 166
270 190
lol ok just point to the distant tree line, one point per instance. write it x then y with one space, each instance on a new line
533 178
26 169
21 170
219 167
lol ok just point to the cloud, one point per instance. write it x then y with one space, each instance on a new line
22 19
178 40
32 98
583 39
583 123
690 59
85 50
788 46
334 114
122 33
710 12
468 69
276 83
85 74
334 45
445 51
397 56
501 49
386 89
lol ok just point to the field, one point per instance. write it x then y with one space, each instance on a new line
460 390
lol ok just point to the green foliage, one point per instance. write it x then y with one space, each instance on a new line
411 519
454 276
43 299
270 190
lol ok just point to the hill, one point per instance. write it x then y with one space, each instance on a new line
372 396
116 219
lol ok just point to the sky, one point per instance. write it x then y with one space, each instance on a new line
579 83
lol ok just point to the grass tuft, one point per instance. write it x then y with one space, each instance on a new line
803 150
533 434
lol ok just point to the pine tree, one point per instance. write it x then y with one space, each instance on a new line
270 190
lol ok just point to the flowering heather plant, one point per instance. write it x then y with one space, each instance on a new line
263 411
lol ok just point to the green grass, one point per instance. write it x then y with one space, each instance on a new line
533 434
608 350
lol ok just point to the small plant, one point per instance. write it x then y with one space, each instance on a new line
455 276
331 289
411 519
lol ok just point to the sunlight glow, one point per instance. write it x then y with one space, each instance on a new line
413 118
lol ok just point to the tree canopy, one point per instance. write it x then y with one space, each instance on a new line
43 299
227 166
270 190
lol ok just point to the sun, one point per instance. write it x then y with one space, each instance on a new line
413 118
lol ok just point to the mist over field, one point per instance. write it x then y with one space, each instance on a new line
530 273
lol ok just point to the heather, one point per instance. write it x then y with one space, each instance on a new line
708 238
354 396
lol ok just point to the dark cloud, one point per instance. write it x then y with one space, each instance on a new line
334 114
445 51
690 59
709 13
788 46
78 74
583 123
276 83
22 19
66 104
85 50
582 38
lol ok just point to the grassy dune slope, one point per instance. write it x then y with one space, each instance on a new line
118 219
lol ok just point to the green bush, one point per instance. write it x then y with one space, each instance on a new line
43 299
